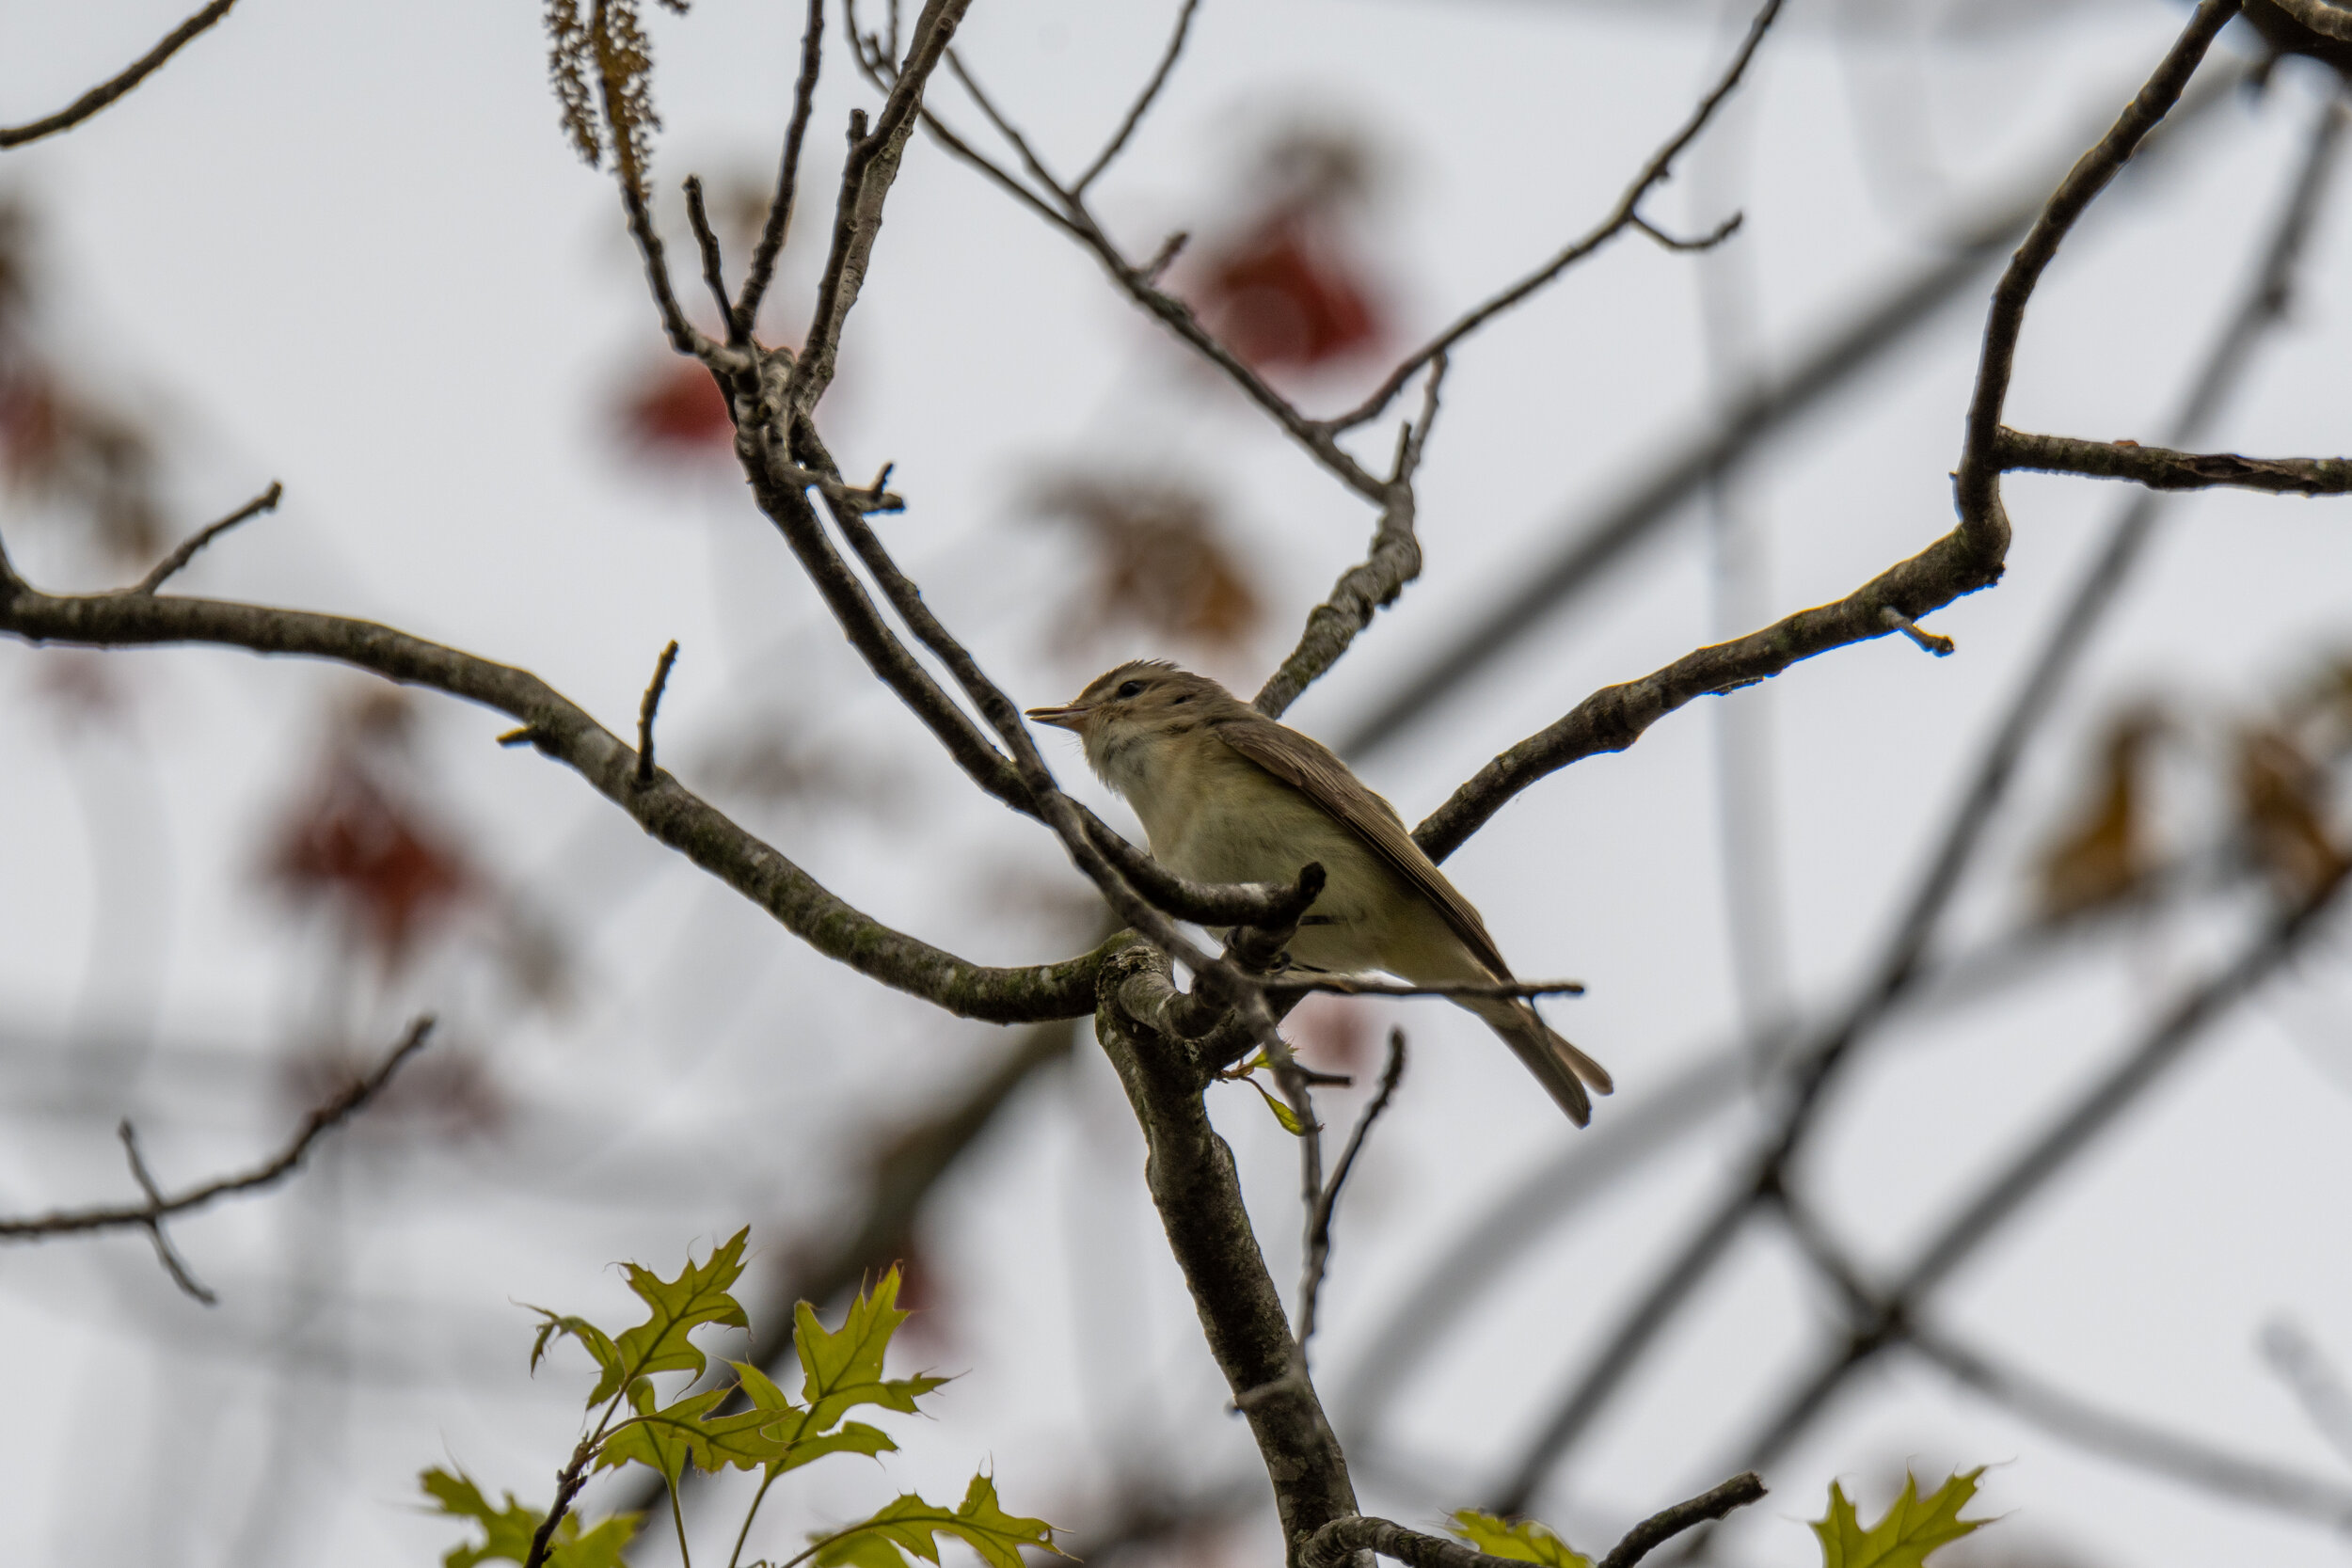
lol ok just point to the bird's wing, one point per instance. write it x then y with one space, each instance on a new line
1311 769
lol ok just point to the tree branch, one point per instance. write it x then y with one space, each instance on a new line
1318 1249
1624 216
866 176
1976 486
2161 468
1667 1523
763 268
1372 584
115 86
171 565
1971 557
150 1215
1143 102
562 730
1190 1173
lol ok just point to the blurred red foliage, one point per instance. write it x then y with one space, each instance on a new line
1291 289
1286 295
676 411
356 842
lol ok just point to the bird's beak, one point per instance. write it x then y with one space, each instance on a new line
1071 718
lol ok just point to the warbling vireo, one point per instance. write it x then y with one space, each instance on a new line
1227 795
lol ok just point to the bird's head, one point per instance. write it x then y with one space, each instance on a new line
1123 712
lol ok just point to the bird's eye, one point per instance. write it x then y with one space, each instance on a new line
1181 700
1129 689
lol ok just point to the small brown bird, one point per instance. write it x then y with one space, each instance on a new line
1226 795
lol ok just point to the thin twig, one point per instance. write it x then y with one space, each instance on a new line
1934 643
706 241
866 176
1620 217
1707 241
772 234
1142 105
1289 981
1004 128
1667 1523
646 709
170 566
115 86
1326 1204
165 1253
1372 584
150 1215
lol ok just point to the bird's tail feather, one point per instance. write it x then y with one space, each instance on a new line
1561 1067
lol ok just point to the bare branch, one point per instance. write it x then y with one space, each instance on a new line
1372 584
1335 1542
1207 903
1326 1204
1341 1539
1667 1523
1624 216
772 234
1004 128
150 1215
866 176
1615 716
645 711
170 565
1143 101
2161 468
1707 241
1197 1195
562 730
115 86
1289 983
706 241
1976 486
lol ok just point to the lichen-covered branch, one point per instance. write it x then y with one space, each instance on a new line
1190 1173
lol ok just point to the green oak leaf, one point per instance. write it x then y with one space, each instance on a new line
841 1368
596 1342
1280 1107
666 1440
507 1531
799 1446
1525 1542
661 1344
1913 1528
907 1523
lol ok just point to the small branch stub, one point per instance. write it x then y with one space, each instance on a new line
645 711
